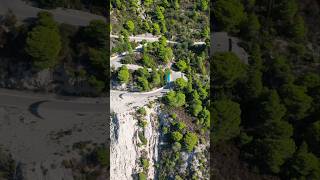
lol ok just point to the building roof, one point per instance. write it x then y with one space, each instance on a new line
222 42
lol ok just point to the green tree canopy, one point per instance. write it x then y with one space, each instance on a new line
273 153
143 84
303 165
296 100
46 19
130 26
96 33
313 137
180 84
190 141
176 136
175 99
123 74
228 14
43 44
226 120
227 69
182 65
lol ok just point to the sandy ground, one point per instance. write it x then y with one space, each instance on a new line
36 141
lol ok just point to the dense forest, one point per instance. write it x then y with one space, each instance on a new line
266 113
73 57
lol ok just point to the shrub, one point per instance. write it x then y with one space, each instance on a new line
143 123
176 136
181 126
174 115
176 147
190 140
142 111
143 139
175 99
165 130
102 156
142 176
145 163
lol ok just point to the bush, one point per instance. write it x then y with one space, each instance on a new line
102 156
97 84
130 26
145 163
123 74
190 141
174 115
176 136
142 122
43 44
176 147
181 126
142 176
143 139
175 99
142 111
165 130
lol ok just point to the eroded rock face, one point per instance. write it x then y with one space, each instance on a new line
123 146
126 149
151 133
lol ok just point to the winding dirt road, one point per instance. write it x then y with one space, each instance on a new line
24 11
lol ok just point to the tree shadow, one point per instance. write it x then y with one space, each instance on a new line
34 107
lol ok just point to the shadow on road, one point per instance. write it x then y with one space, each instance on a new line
34 107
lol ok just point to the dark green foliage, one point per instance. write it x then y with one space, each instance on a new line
313 137
102 156
296 100
298 30
271 108
229 14
175 99
96 33
251 26
7 166
143 84
176 136
277 95
97 84
279 72
303 165
43 43
226 120
273 153
227 69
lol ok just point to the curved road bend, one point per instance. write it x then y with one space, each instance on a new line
25 11
49 102
115 62
151 38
